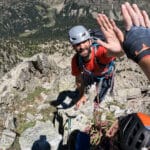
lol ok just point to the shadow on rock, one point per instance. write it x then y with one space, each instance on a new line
62 100
41 144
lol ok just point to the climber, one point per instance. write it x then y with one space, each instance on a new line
91 64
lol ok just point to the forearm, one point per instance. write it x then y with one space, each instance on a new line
145 65
80 86
80 90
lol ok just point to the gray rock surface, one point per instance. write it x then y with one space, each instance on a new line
28 91
31 135
7 139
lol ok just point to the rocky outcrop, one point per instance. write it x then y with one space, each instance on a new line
53 18
8 56
39 95
42 130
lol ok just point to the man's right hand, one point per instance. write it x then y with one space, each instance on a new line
81 101
113 129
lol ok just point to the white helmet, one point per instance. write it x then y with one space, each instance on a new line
78 34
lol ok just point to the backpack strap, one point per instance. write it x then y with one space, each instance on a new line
79 61
95 45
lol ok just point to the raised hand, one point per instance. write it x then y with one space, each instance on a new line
132 15
113 35
137 39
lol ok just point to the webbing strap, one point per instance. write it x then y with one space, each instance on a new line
109 72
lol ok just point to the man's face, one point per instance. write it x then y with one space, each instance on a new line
83 48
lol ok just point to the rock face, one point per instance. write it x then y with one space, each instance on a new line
37 94
8 56
44 129
37 97
53 20
55 17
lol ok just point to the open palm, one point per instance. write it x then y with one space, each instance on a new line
114 36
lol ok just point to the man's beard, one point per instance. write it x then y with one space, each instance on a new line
86 57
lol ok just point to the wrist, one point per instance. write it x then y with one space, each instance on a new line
141 54
144 64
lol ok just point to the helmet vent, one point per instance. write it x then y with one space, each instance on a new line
83 34
73 38
128 125
137 127
140 141
132 135
130 141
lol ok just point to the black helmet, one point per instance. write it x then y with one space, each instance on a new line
134 131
